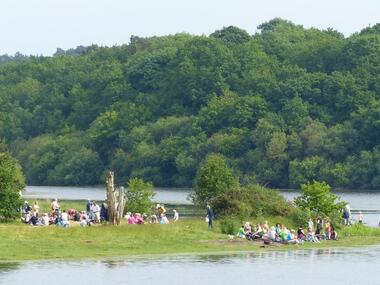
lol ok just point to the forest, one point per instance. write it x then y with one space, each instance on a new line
283 106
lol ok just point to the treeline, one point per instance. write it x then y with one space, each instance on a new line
284 106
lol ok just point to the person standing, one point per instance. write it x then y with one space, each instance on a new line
54 205
36 209
210 216
310 225
175 216
360 218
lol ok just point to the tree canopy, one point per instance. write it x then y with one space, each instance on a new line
283 106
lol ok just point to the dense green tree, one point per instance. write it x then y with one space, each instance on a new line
214 177
11 184
317 198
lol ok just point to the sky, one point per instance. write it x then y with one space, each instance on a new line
39 27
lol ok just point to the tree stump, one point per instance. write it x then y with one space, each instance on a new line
115 200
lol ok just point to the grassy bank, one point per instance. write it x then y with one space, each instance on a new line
21 242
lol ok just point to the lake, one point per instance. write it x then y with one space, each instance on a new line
322 266
366 200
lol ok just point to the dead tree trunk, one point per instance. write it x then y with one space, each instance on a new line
115 200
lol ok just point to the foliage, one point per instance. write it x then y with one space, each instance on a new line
229 226
139 196
283 106
319 201
11 184
251 200
214 178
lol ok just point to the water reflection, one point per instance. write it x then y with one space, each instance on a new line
334 266
8 266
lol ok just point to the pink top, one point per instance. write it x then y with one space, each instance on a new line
131 220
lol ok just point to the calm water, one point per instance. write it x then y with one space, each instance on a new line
165 195
369 200
327 266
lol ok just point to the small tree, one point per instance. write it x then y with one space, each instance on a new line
139 196
214 177
317 198
12 182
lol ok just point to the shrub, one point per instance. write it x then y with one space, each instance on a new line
265 201
251 200
11 184
139 196
300 217
229 226
317 198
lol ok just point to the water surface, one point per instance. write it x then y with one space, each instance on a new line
322 266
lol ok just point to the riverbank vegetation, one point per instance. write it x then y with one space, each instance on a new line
20 242
284 106
12 182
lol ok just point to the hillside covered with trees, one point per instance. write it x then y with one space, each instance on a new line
283 106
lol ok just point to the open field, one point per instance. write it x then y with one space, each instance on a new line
22 242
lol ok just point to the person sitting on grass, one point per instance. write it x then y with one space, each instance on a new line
241 233
77 216
164 219
258 232
71 212
248 231
310 236
273 234
291 237
139 219
83 221
34 220
131 219
300 233
153 219
278 228
65 219
283 234
45 220
265 227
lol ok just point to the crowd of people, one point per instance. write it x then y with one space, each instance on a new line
324 230
159 217
94 214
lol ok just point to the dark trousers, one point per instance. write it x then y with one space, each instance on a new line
210 223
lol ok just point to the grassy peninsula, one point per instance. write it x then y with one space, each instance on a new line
21 242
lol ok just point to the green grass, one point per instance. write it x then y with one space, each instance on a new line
22 242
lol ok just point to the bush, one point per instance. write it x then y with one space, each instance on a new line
11 184
265 201
251 200
229 226
317 198
139 196
300 217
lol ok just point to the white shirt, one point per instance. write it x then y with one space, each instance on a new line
65 217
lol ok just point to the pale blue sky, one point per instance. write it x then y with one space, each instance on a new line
40 26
